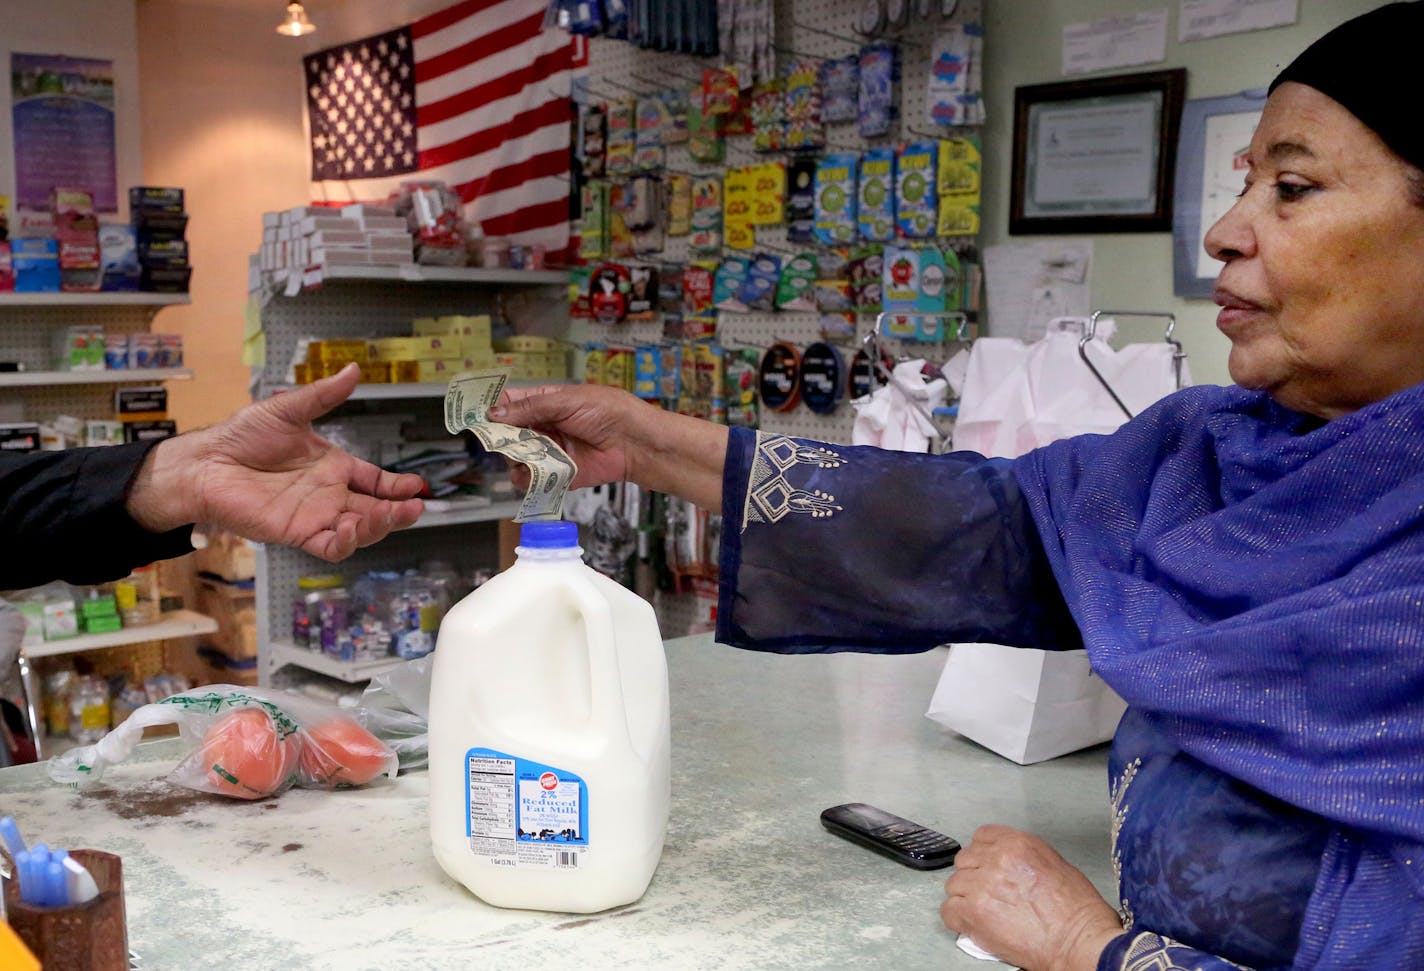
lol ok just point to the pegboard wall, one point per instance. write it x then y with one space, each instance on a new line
27 335
815 30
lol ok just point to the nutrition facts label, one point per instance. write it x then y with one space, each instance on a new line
491 797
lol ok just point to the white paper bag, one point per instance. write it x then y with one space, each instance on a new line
1026 705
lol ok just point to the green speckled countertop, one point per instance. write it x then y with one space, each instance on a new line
748 878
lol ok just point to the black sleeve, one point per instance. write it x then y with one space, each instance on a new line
63 517
849 548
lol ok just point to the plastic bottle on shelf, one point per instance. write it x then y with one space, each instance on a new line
549 734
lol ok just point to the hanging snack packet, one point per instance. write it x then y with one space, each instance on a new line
704 137
876 212
836 198
833 295
737 192
866 269
648 156
759 290
727 289
647 372
593 223
916 212
840 89
804 131
593 140
768 193
796 288
801 200
740 383
768 118
902 279
679 204
675 105
878 109
643 292
706 216
698 295
721 94
622 136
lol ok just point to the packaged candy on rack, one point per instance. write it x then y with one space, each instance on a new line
432 210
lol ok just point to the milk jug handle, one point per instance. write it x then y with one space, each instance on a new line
607 710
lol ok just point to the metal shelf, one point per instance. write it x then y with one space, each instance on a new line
93 299
282 654
22 379
176 623
410 389
459 511
415 273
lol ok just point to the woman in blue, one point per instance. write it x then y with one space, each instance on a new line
1244 565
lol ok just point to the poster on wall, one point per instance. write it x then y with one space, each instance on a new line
64 128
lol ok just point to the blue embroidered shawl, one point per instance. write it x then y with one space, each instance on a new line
1253 581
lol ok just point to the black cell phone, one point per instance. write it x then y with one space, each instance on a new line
890 835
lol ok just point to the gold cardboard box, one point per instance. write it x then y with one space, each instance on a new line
425 348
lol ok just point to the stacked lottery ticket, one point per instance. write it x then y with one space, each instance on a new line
468 399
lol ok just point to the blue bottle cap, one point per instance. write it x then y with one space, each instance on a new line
548 534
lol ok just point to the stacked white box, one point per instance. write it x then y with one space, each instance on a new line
311 238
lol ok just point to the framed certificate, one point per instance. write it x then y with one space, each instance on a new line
1096 156
1211 167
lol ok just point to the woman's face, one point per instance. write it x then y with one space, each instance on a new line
1322 294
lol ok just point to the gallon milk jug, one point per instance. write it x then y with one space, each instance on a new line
549 734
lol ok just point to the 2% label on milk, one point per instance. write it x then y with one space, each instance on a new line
468 399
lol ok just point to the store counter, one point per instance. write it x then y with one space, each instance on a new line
748 878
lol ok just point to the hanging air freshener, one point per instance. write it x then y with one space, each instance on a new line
759 290
876 211
878 109
795 290
779 377
801 200
836 198
727 290
840 89
822 377
608 293
916 212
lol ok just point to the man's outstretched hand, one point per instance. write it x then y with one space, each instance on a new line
266 476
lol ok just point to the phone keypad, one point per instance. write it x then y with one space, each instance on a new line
915 840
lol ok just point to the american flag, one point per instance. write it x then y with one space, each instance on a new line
475 95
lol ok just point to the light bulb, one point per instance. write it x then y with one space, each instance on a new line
296 24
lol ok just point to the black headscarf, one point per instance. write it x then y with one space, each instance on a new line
1372 66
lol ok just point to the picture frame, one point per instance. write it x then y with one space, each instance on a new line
1210 168
1096 155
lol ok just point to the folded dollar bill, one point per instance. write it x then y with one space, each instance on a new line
468 400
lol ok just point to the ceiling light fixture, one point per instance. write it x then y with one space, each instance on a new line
296 24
